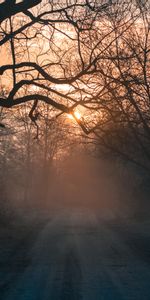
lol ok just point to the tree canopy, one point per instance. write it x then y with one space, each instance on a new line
87 55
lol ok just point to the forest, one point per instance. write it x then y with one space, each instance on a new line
73 75
74 139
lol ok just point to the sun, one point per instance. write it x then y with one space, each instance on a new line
75 115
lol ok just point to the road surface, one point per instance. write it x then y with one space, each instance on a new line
78 255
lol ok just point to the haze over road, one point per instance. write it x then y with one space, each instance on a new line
78 255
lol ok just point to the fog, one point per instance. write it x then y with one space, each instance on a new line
78 182
72 225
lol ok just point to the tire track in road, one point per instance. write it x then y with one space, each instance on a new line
72 281
67 283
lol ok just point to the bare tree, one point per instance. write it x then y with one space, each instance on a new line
49 53
82 53
124 101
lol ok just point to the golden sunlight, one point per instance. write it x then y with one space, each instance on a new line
75 115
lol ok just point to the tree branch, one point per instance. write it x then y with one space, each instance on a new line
10 8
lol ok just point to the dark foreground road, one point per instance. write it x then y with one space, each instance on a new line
77 255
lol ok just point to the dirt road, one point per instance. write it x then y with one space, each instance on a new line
78 255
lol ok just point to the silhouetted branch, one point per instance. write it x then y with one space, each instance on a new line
10 7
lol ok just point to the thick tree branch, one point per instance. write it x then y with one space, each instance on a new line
10 8
8 103
45 75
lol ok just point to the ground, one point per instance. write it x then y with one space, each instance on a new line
74 254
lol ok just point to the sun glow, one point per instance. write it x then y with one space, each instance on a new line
75 115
